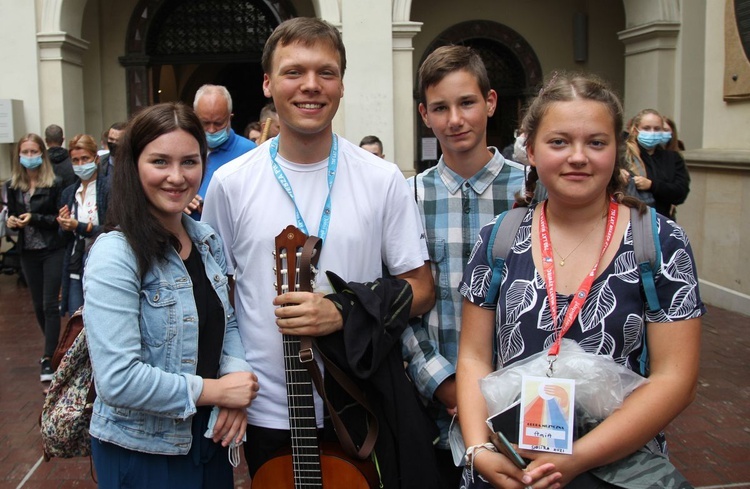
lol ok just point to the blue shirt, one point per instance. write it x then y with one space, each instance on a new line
453 210
232 148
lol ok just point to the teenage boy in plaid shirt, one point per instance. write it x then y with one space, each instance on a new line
470 185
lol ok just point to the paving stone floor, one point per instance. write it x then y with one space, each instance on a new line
710 441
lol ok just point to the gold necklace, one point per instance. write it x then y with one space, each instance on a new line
563 258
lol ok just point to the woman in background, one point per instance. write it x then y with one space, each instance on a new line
81 217
33 194
656 170
671 139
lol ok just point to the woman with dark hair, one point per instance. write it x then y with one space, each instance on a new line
656 170
33 193
81 217
162 333
572 273
670 138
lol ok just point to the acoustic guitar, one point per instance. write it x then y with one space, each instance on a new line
307 465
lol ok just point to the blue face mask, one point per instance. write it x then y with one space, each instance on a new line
666 137
218 138
649 140
31 162
85 171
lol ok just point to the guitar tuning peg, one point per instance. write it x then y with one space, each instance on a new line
275 284
274 253
274 269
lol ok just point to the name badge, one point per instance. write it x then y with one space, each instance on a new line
547 410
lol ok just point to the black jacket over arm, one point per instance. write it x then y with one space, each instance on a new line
368 349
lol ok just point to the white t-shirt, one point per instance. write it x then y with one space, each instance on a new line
374 221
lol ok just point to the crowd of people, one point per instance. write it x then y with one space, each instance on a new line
167 238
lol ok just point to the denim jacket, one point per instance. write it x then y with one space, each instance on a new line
143 341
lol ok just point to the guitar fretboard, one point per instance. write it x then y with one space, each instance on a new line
299 388
302 423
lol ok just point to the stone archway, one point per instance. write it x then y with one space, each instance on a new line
513 67
174 46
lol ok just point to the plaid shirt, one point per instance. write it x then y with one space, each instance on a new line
453 211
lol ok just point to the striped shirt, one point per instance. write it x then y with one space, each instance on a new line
453 210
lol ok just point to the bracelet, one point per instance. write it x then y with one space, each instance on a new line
473 451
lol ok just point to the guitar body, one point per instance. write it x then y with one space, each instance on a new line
337 471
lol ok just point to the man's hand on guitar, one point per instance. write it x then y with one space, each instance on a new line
230 426
307 314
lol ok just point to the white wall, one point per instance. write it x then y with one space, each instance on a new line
368 83
20 69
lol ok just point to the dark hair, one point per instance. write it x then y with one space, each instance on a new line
674 144
308 31
117 126
565 87
448 59
372 140
53 134
251 126
129 209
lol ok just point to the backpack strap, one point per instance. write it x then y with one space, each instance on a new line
647 249
647 252
501 241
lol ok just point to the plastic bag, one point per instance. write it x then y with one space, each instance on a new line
601 384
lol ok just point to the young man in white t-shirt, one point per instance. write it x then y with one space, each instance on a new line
374 222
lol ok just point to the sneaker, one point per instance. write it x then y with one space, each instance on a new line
46 375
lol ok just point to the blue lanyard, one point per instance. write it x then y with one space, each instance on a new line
325 219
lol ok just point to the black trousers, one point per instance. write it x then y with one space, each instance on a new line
262 445
43 272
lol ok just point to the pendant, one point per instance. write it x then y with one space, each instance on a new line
562 263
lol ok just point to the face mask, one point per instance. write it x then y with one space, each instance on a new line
218 138
112 150
649 140
31 162
85 171
666 137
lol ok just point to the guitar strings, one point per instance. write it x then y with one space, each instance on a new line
306 459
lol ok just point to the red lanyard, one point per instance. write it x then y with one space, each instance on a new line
548 264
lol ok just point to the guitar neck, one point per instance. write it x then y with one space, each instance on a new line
302 421
296 257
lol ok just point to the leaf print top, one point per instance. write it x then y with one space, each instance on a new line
614 315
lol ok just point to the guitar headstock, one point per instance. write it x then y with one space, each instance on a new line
296 256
